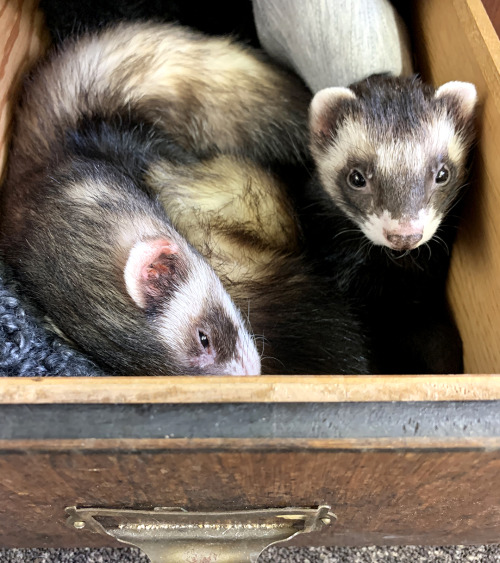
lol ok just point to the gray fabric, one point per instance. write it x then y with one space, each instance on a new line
334 42
27 348
409 554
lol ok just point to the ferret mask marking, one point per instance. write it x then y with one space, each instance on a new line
230 349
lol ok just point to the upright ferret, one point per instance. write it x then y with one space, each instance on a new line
100 123
391 159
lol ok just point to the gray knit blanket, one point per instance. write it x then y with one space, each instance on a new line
27 347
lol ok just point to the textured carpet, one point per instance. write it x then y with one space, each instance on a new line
409 554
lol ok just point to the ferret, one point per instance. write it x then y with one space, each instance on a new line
391 157
116 278
87 240
208 95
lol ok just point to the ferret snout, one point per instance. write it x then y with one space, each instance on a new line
248 362
400 234
247 365
403 242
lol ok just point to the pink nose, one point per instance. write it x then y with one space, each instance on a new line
403 242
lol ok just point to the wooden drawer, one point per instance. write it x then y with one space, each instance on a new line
400 459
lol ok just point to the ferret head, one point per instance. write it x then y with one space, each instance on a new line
202 330
391 153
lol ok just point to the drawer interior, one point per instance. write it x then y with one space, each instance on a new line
453 40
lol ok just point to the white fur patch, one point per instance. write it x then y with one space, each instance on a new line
456 150
378 225
351 141
445 140
187 305
431 221
464 92
89 191
415 152
399 155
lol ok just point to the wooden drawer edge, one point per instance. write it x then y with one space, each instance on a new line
264 389
252 444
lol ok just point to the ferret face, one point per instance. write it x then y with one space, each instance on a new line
392 152
199 326
214 340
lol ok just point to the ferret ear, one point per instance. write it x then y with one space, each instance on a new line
324 113
150 269
460 96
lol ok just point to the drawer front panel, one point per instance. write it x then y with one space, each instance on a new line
382 494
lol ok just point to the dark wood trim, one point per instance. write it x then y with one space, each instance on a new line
427 497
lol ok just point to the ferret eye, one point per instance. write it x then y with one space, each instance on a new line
442 176
356 180
204 339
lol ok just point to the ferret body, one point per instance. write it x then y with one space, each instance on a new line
208 95
84 236
391 157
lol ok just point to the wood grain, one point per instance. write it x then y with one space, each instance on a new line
438 497
455 40
384 491
249 389
23 39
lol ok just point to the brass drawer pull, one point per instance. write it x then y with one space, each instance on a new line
173 535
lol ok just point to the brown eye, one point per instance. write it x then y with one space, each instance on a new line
442 176
203 339
356 180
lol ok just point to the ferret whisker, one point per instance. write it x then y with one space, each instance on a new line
249 322
263 358
414 258
388 252
429 249
457 197
365 244
261 339
347 231
442 242
401 255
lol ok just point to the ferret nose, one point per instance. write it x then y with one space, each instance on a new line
403 242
